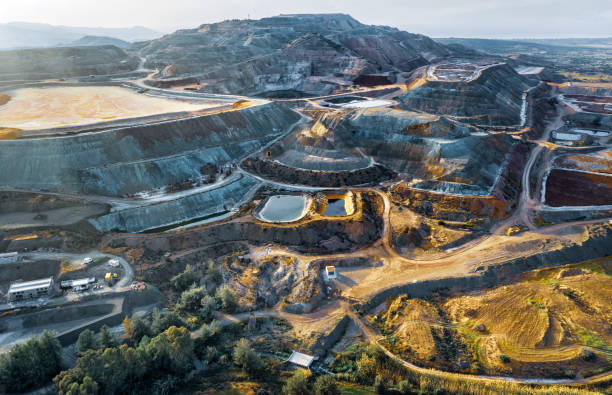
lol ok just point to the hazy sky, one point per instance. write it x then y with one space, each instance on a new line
438 18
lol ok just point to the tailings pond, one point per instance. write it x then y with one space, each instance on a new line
335 208
284 208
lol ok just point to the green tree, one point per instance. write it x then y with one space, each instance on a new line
88 387
140 329
209 332
245 357
213 273
31 364
405 387
184 280
326 385
297 384
366 368
70 383
109 371
106 337
162 322
172 351
86 341
191 300
227 298
209 306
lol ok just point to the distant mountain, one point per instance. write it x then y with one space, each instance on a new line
89 41
605 42
36 35
498 47
63 62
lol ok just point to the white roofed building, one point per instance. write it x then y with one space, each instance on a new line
302 360
31 289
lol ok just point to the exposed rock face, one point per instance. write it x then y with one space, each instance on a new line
314 236
124 161
288 53
44 63
448 156
175 211
494 98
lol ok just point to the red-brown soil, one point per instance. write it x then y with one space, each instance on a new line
573 188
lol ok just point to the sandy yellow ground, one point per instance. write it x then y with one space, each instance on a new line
40 108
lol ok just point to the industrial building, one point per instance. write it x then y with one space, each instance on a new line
330 272
301 360
31 289
82 284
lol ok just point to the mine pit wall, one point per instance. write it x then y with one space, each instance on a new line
495 206
327 341
559 216
175 211
499 85
589 120
122 161
347 197
327 179
599 245
543 108
319 236
96 310
130 301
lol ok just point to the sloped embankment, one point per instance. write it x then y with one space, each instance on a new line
176 211
317 236
124 161
372 145
495 98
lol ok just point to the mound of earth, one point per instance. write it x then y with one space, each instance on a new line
495 97
553 323
310 53
42 63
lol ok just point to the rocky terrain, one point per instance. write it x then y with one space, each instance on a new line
296 54
354 147
44 63
495 97
420 217
151 156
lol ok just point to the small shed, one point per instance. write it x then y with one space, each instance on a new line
330 271
302 360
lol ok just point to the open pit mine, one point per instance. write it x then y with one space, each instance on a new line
398 209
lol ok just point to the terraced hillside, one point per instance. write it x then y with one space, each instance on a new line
494 97
553 323
446 155
295 54
124 161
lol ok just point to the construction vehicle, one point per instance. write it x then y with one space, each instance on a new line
110 278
